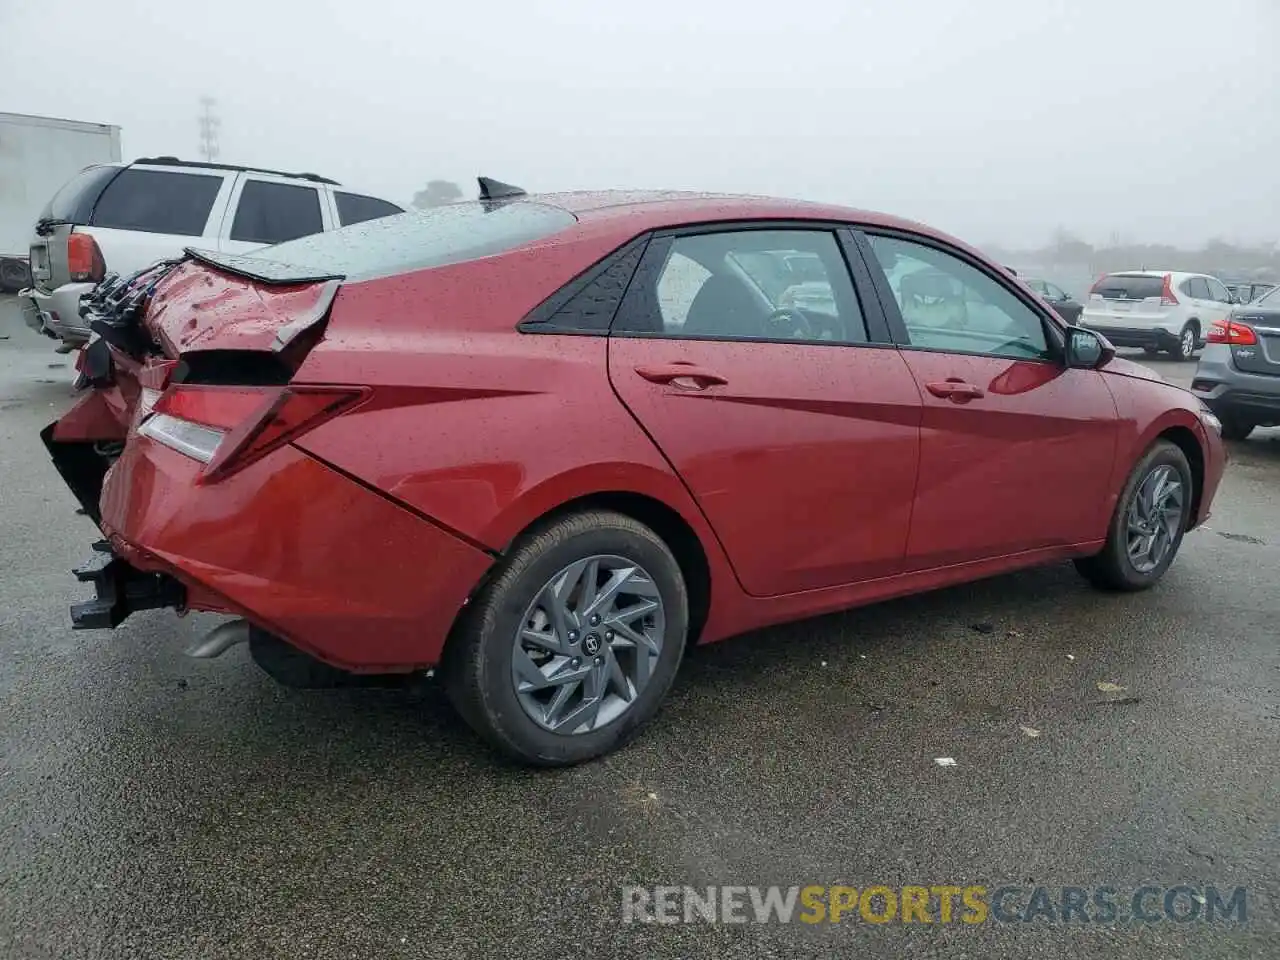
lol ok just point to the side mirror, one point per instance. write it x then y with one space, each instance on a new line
1087 350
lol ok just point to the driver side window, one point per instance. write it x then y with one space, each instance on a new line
950 305
746 285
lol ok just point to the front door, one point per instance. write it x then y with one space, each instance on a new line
746 357
1016 450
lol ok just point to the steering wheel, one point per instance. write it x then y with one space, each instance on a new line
787 323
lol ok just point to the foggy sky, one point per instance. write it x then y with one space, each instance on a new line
998 120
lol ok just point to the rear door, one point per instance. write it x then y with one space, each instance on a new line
266 210
791 419
1016 450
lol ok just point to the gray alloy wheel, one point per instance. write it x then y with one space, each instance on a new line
1154 518
588 644
573 641
1153 512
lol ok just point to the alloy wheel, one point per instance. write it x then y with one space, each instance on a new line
1154 518
588 644
1188 343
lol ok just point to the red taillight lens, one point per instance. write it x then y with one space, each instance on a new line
252 421
1233 332
1167 299
84 259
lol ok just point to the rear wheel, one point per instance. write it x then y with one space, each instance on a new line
573 646
1150 519
1235 428
1188 341
1151 351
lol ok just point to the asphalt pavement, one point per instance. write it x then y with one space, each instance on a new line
161 807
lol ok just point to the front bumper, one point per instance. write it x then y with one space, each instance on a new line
57 314
299 550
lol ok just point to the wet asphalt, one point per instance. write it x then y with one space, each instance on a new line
157 806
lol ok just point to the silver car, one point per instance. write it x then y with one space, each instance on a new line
1238 376
123 217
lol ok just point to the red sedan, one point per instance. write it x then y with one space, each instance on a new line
544 443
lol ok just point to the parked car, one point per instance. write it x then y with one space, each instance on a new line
1157 310
1065 305
125 216
1238 376
478 439
1247 291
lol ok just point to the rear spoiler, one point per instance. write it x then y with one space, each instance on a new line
256 268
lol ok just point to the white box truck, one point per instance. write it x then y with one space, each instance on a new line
37 156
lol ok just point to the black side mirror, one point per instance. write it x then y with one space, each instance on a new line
1087 350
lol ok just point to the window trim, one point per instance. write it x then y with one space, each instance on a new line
540 319
655 256
1053 326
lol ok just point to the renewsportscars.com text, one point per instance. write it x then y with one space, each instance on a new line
937 903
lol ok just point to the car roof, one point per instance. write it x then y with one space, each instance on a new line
654 209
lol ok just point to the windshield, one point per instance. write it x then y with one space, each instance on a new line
400 244
1129 286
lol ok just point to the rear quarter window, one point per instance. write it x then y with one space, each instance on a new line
75 199
355 208
409 241
157 201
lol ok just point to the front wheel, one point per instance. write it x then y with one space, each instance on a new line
572 647
1151 516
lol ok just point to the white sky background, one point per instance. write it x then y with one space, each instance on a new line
997 120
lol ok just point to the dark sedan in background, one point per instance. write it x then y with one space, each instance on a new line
1063 303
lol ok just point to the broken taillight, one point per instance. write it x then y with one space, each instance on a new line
227 428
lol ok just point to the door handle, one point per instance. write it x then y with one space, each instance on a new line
670 373
955 390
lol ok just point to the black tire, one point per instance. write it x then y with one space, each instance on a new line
1188 342
1111 568
1233 428
477 663
1151 351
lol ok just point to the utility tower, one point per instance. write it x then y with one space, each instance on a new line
209 124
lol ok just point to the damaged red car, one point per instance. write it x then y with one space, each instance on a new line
542 444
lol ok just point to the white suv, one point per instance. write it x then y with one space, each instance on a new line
126 216
1157 310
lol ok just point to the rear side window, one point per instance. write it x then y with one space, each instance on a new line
1129 286
1198 289
75 199
276 212
409 241
354 208
156 201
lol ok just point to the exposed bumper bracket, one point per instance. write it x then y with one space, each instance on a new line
121 590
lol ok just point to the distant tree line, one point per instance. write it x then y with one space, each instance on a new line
1260 261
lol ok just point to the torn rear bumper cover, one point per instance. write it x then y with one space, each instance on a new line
121 589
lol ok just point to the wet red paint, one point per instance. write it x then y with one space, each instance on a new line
812 478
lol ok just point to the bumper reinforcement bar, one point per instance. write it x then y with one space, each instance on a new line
121 590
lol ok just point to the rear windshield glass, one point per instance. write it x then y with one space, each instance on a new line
399 244
74 201
1127 286
156 201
